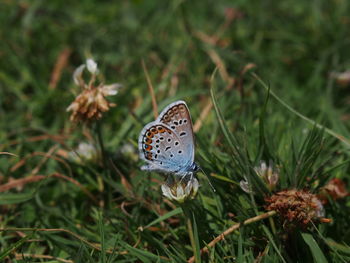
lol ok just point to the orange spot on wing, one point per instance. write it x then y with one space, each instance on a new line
161 129
149 156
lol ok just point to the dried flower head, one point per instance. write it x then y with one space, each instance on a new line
90 104
334 189
182 189
342 78
268 174
296 207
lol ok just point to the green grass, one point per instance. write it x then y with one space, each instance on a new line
111 211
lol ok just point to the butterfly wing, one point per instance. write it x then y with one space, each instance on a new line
177 116
160 147
167 145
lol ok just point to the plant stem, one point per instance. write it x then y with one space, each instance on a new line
189 217
102 154
190 232
230 230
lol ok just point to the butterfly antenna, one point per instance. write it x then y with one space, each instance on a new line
207 176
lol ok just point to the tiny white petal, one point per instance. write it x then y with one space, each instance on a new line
195 186
273 179
78 75
72 107
91 66
166 191
188 188
245 186
110 90
319 208
179 191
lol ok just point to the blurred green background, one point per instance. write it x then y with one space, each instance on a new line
293 46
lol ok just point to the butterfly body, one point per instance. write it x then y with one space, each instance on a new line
167 144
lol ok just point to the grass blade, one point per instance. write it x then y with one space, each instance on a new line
164 217
317 254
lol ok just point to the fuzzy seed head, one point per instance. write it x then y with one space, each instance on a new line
295 207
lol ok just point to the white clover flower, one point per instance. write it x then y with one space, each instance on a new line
266 173
84 152
181 191
91 66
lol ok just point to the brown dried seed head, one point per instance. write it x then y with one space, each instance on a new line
335 189
89 105
295 207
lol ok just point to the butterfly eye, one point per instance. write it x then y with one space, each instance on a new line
176 110
185 121
153 130
180 122
182 134
176 143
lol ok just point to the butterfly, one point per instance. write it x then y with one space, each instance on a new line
167 144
